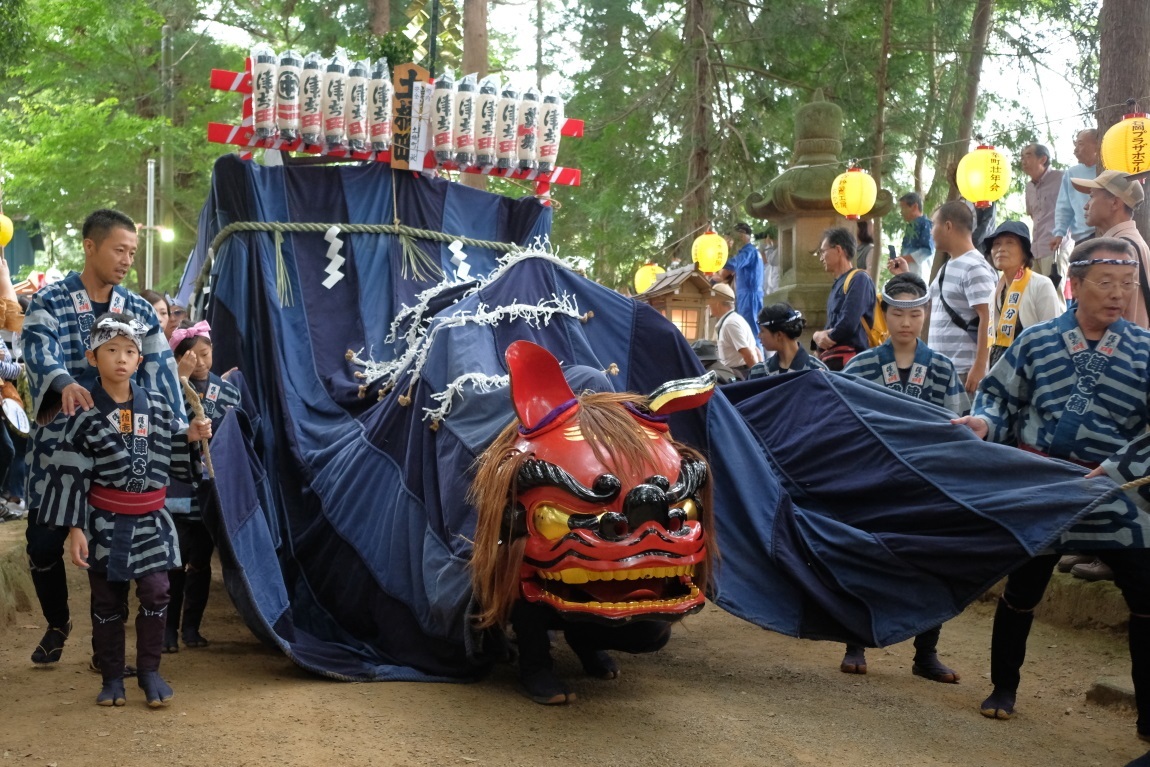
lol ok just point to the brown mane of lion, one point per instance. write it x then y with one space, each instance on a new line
618 442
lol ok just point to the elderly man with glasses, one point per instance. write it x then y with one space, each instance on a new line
1073 388
1110 210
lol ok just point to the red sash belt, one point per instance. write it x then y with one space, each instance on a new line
122 502
1036 451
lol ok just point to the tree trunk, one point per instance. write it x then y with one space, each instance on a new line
1124 70
880 126
697 197
475 57
928 117
979 34
539 45
380 17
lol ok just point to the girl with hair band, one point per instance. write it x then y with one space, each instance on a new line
780 326
906 365
1023 297
191 582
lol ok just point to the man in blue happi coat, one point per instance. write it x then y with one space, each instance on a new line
1075 388
55 338
747 268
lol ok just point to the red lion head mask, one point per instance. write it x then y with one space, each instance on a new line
586 503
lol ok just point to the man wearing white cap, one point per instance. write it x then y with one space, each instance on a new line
1110 210
736 340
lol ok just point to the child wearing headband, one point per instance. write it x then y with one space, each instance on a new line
780 326
111 476
906 365
191 582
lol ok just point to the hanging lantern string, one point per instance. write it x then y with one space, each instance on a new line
691 235
989 136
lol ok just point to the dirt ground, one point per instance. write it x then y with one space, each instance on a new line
723 692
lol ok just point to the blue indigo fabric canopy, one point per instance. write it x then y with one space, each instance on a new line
843 511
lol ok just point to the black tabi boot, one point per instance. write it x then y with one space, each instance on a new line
1007 654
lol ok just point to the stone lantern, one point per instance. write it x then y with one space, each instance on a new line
799 203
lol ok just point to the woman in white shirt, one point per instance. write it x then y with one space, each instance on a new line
1023 297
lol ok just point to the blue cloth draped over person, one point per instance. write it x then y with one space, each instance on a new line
873 555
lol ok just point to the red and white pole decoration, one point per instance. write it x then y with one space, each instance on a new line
309 104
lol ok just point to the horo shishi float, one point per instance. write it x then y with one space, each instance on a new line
590 519
430 458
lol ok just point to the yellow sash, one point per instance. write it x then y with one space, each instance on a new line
1005 330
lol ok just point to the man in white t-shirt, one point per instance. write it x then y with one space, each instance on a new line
736 340
960 295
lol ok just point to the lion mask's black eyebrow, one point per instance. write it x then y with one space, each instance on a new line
692 476
535 473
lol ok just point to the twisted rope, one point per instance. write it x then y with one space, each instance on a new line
280 227
1114 492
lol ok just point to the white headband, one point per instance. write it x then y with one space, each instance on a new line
794 316
1109 261
110 327
904 303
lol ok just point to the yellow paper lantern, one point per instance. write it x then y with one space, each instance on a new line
853 193
1124 145
5 230
983 176
709 251
646 275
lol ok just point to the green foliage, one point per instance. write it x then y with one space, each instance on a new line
82 100
14 32
767 57
84 113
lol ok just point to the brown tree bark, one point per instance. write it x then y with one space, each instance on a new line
380 17
1124 70
880 126
928 120
697 198
475 56
979 35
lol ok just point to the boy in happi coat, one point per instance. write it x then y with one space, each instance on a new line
112 470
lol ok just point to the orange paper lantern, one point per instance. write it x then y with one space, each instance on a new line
853 193
709 251
1124 145
646 275
983 176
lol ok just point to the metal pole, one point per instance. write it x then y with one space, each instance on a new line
432 53
150 225
166 261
